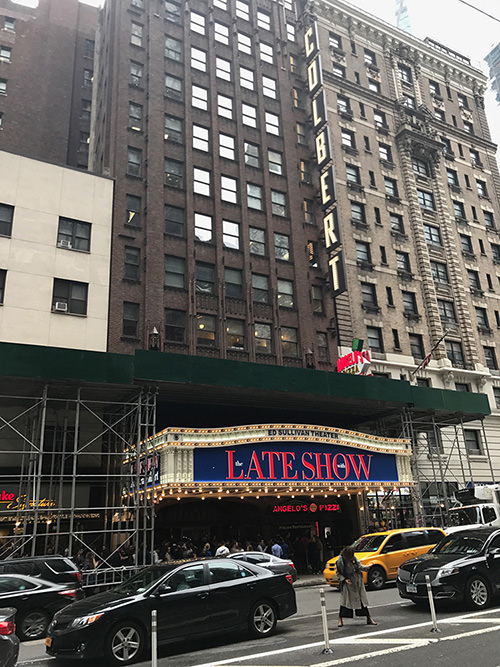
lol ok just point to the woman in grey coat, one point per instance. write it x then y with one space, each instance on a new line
352 589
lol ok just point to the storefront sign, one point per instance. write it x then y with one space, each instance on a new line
292 461
355 363
323 148
11 501
149 471
312 508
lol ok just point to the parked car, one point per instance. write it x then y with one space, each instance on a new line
384 552
35 600
9 642
463 567
192 599
270 562
58 569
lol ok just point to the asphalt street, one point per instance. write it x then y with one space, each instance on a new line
404 635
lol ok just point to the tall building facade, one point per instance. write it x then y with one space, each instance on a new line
493 60
46 75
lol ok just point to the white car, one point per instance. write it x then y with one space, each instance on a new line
270 562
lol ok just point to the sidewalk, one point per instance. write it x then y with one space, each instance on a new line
310 580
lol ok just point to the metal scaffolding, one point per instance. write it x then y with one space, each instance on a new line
69 458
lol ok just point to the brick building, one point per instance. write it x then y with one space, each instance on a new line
46 73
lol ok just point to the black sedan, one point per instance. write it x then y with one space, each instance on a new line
192 599
9 643
270 562
35 600
465 566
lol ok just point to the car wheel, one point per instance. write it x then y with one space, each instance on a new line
376 577
33 625
262 621
477 593
125 643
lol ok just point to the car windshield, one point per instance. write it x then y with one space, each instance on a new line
461 516
368 542
141 581
459 544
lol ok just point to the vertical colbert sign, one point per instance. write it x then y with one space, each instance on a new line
323 149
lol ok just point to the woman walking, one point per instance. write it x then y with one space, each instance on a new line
352 589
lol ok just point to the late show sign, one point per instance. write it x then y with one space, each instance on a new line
323 150
292 462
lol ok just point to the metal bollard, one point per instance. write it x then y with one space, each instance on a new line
327 648
154 639
431 605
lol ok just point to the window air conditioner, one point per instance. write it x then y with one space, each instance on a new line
64 243
61 306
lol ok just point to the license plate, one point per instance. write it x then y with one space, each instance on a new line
411 588
48 641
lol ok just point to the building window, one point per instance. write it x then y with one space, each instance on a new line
226 146
266 53
133 205
358 213
3 278
482 317
278 203
251 153
263 339
481 188
374 85
255 197
369 295
88 77
474 281
5 54
440 115
205 278
416 346
300 129
432 235
221 33
248 115
235 334
132 263
201 182
246 78
242 10
452 177
285 293
135 116
375 340
322 343
475 158
70 296
174 220
86 110
369 57
405 73
472 439
198 59
272 123
223 69
130 323
353 174
363 253
439 272
308 208
290 32
136 34
173 11
455 353
282 247
136 73
344 105
201 138
174 174
173 49
244 43
426 200
9 24
496 393
380 120
89 47
409 303
347 138
489 220
257 241
447 311
490 358
289 342
269 87
225 106
459 210
73 234
205 330
263 20
197 23
175 325
234 283
6 217
385 152
173 130
397 225
260 288
420 167
134 161
409 101
334 41
231 234
466 243
3 86
391 187
199 97
468 127
202 227
229 189
317 299
175 269
338 70
275 162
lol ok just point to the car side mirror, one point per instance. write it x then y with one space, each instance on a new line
162 590
494 552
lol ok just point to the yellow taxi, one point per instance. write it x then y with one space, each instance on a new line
384 552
